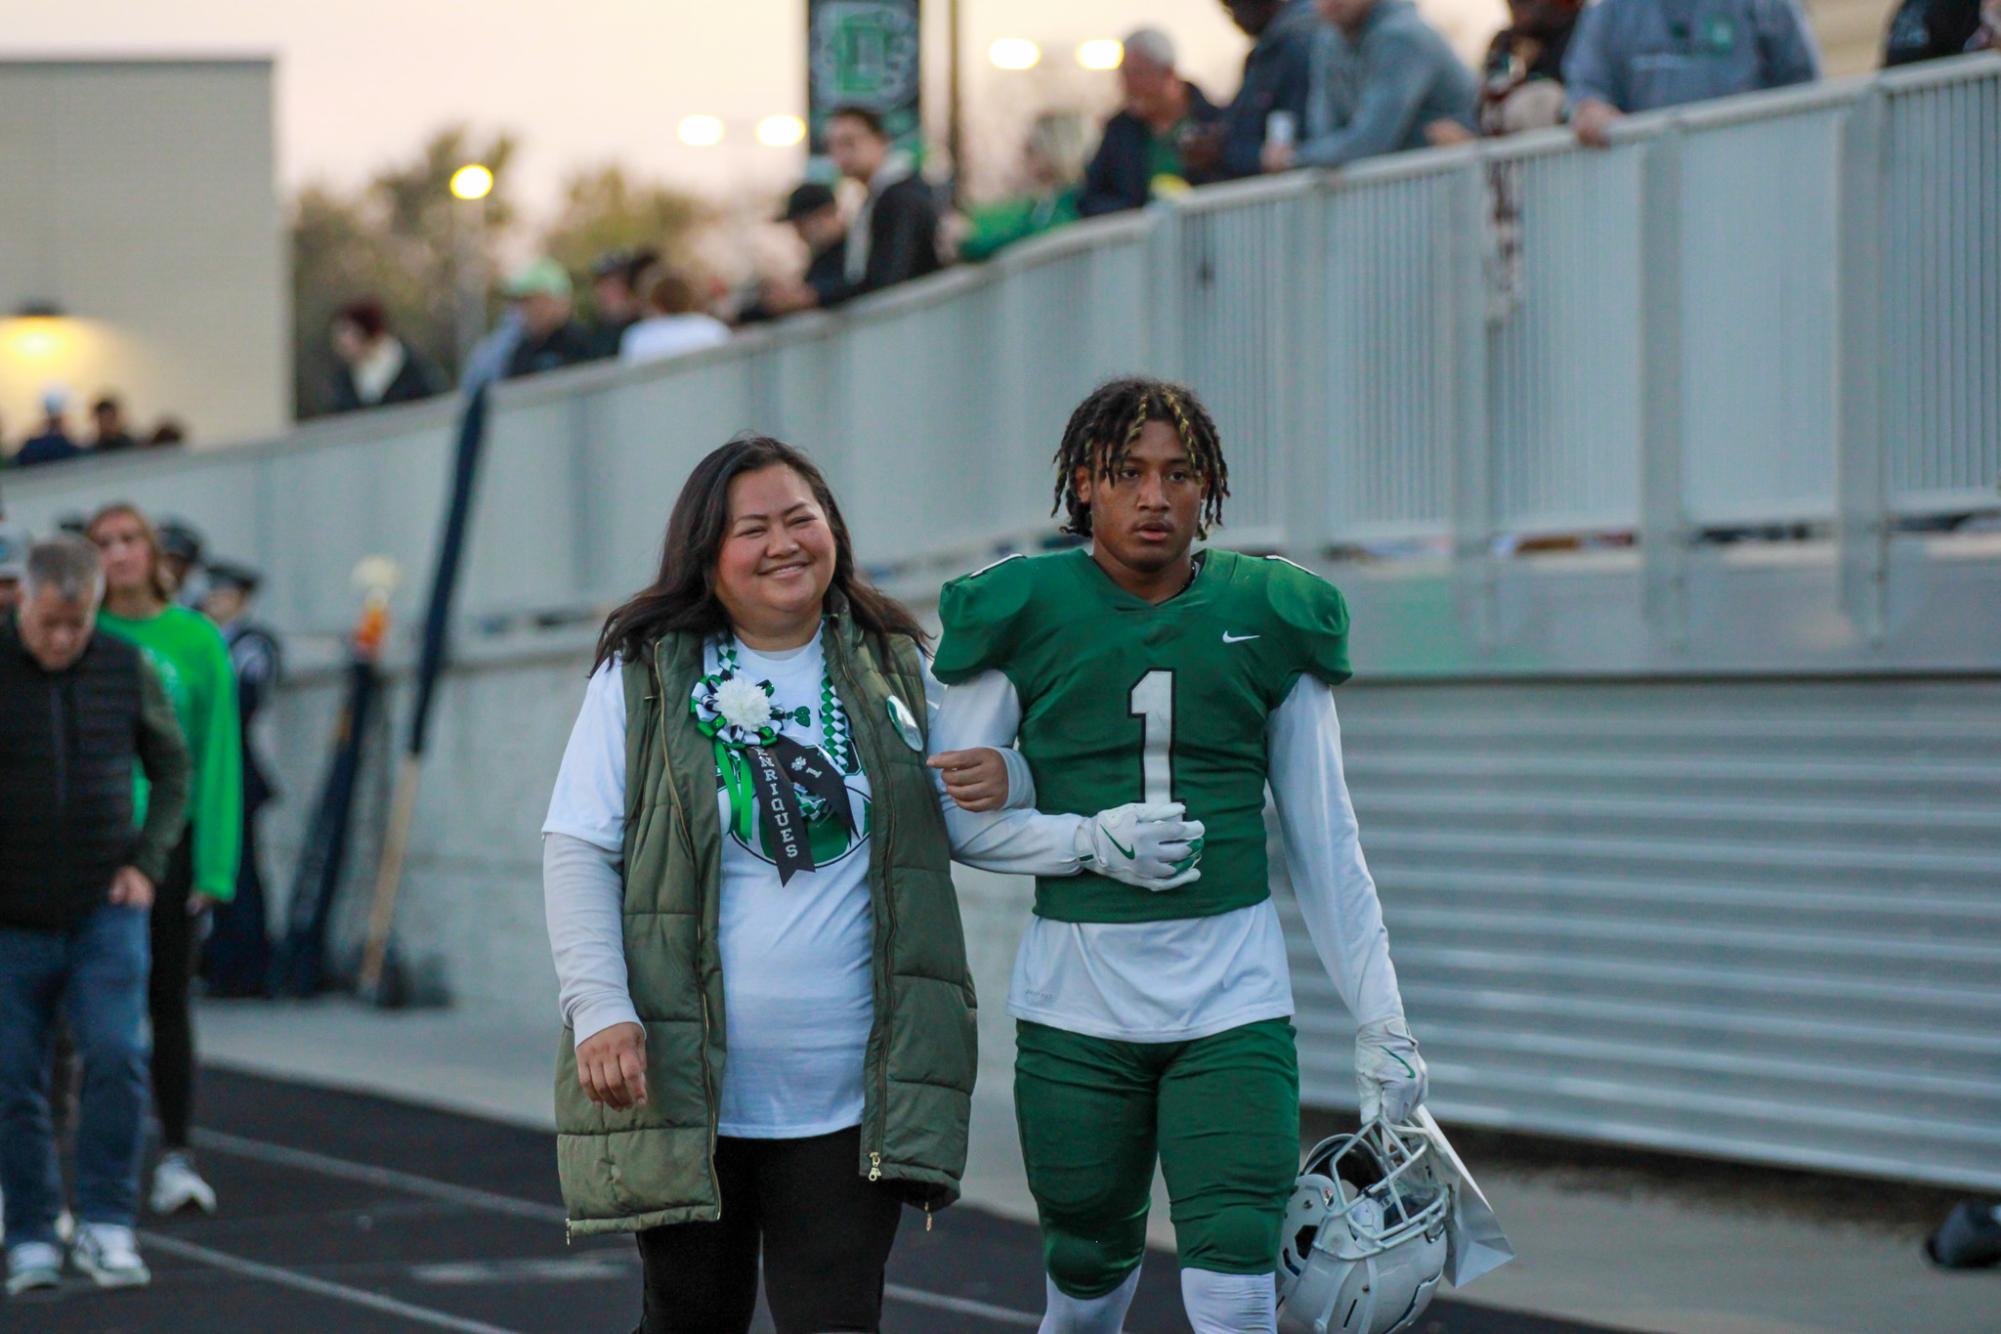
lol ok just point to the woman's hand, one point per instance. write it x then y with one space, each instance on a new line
975 779
611 1066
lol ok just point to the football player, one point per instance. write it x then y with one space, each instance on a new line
1151 994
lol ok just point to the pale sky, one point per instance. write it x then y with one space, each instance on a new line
361 82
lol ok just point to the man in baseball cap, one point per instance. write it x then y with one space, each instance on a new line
551 338
815 215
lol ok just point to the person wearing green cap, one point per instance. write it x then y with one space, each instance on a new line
551 338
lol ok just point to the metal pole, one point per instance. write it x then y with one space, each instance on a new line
468 222
955 129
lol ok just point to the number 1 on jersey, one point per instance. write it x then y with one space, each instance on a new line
1152 702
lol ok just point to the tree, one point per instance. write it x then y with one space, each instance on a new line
393 240
603 210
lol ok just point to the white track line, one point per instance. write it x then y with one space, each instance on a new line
1000 1315
320 1287
280 1155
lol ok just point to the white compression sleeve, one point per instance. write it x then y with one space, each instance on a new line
985 711
581 895
1087 1315
1323 848
1229 1303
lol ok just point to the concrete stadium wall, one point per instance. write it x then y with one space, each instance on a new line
141 199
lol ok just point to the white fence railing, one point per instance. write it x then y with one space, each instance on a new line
1780 308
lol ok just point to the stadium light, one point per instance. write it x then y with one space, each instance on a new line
472 181
781 131
1014 53
700 131
1101 53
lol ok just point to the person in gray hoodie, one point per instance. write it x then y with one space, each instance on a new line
1629 56
1381 77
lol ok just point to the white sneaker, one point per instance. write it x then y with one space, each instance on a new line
109 1253
177 1186
31 1265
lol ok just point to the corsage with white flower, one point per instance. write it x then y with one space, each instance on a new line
796 785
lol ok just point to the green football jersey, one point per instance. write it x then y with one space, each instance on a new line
1124 701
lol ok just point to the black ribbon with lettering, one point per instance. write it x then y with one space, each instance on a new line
777 772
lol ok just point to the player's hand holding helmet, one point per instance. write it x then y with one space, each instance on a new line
1364 1243
1389 1074
1144 844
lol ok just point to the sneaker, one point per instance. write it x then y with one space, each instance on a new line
177 1186
31 1265
109 1253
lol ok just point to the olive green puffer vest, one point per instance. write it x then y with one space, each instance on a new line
654 1164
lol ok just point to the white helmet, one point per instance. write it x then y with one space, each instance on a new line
1364 1241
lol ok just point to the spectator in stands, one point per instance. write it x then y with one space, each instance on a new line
813 213
1278 75
551 338
167 433
1139 154
1380 81
107 418
237 958
1629 56
1932 30
73 909
619 283
894 235
1053 161
674 322
1522 85
51 444
13 563
376 367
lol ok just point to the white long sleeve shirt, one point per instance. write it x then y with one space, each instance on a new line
1186 978
584 837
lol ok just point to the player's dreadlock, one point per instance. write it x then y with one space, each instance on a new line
1102 431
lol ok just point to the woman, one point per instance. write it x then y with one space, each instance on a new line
188 651
770 1019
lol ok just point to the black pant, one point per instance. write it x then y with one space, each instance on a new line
825 1232
176 937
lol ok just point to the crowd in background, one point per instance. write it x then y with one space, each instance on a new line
128 860
1325 84
52 440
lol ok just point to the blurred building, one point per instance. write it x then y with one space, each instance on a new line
141 243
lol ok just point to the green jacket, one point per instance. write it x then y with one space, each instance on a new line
652 1165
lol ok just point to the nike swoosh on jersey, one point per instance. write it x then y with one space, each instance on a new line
1229 638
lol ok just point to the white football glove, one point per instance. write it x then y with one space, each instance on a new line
1146 845
1389 1074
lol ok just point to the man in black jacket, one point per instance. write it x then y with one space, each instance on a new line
78 712
1141 145
894 235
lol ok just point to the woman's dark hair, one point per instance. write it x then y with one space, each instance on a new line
1105 425
683 596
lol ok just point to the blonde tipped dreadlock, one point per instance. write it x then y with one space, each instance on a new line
1104 427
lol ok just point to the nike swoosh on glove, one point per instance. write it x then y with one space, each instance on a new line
1389 1074
1141 844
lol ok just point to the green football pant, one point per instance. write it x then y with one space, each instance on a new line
1220 1113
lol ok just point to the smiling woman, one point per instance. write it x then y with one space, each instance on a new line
770 1019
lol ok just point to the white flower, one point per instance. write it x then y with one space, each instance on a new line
743 704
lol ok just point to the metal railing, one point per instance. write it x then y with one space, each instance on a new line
1780 308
